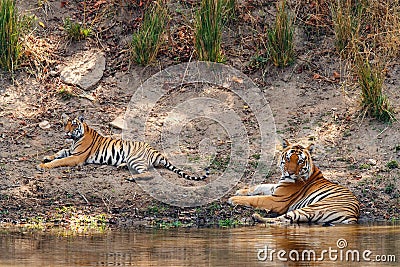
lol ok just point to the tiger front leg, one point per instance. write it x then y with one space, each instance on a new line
59 155
258 202
261 189
62 162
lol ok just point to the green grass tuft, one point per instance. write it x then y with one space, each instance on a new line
373 101
393 164
228 223
208 27
280 38
147 40
10 30
75 30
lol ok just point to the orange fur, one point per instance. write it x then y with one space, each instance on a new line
88 146
303 194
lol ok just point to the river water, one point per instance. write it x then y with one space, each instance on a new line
345 245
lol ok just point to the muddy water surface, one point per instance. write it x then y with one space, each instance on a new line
371 245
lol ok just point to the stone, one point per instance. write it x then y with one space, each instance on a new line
44 125
85 69
119 122
128 80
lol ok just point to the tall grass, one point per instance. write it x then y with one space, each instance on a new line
208 28
147 40
280 38
370 78
342 18
228 10
10 47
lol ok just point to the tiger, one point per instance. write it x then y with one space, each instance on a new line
88 146
302 194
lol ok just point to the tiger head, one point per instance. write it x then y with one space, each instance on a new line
295 162
74 128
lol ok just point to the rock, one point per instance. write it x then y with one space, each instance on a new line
53 73
127 80
44 125
84 70
372 162
119 122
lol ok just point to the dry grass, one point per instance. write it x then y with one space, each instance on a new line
380 27
229 10
368 36
38 56
343 22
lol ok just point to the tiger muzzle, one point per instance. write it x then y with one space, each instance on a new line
68 136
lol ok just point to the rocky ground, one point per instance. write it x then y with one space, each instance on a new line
312 100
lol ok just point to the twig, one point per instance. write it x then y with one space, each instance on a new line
382 131
87 202
105 204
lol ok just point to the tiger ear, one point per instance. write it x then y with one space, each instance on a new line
285 143
81 118
310 147
64 118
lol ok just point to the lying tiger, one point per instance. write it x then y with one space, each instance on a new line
88 146
302 194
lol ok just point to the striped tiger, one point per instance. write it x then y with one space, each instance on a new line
88 146
302 194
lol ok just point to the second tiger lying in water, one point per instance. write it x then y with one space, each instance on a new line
88 146
302 194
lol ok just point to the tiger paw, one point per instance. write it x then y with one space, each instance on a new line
46 159
234 200
122 165
258 218
279 220
242 192
283 219
41 167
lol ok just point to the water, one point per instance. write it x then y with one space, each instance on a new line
245 246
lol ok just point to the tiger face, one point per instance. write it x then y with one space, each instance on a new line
73 127
295 162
